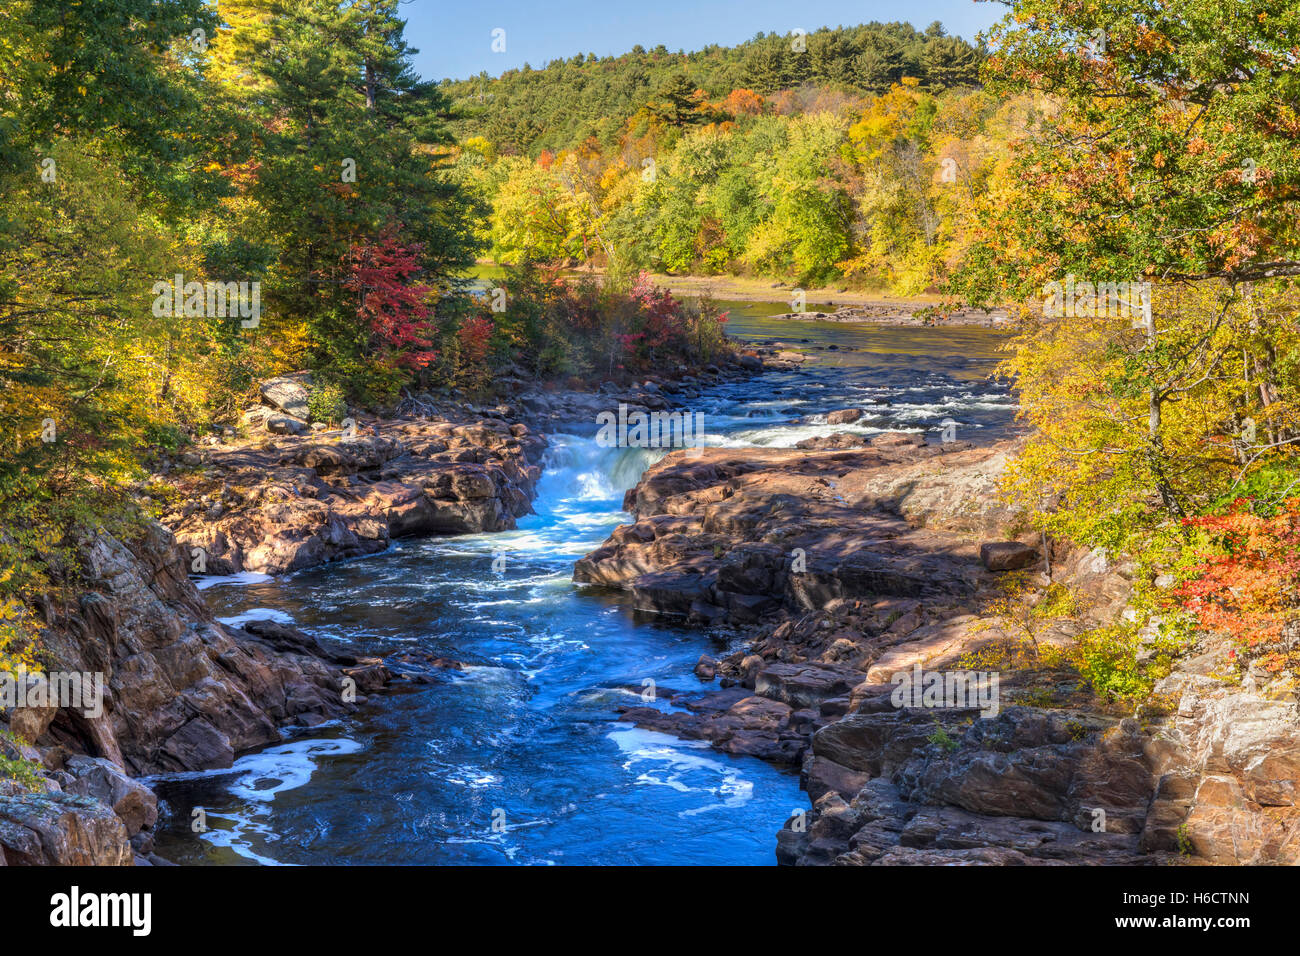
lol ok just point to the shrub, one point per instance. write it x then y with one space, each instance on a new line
326 403
24 772
553 327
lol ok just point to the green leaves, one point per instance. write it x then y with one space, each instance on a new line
141 139
1173 133
117 70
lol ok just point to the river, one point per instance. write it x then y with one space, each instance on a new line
519 757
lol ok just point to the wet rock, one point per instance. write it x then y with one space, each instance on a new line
749 726
844 416
835 442
706 668
370 675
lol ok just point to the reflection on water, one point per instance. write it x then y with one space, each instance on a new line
518 758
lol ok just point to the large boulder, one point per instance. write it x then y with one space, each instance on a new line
288 393
286 425
1007 555
844 416
28 722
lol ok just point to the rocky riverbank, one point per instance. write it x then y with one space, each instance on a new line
184 692
181 691
850 562
831 568
289 495
291 502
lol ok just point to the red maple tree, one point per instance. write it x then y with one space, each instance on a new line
390 298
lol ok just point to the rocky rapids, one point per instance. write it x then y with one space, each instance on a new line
556 652
188 695
185 692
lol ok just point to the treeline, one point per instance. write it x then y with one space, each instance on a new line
571 101
806 186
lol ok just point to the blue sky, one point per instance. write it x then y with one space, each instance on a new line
455 39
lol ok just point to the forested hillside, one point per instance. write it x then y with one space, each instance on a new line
570 101
845 155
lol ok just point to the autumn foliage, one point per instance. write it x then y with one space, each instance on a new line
1247 584
391 301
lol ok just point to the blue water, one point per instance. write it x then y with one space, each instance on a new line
519 758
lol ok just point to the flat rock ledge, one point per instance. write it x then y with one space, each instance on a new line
293 502
731 535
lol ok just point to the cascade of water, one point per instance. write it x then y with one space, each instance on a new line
575 466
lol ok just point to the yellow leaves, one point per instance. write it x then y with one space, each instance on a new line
19 636
885 119
1083 384
480 145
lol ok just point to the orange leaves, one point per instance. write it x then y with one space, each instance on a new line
342 190
743 102
1248 583
1151 41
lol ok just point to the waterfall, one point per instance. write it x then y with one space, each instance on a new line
575 467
